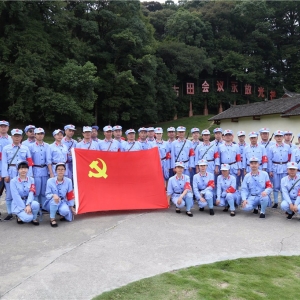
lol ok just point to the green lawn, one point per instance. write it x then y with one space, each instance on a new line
273 277
195 121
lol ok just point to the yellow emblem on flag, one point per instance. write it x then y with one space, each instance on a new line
99 172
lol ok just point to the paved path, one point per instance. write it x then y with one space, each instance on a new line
102 251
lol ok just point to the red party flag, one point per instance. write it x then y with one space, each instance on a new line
118 180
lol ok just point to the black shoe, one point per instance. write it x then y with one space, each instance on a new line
262 216
201 209
275 205
189 213
53 223
62 219
8 217
289 217
226 208
232 214
255 211
35 223
211 212
178 211
19 221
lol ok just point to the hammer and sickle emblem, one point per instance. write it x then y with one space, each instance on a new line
100 172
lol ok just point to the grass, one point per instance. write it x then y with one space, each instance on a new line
195 121
273 277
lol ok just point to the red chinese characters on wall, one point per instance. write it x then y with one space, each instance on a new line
205 87
234 87
248 89
190 88
272 95
261 92
220 86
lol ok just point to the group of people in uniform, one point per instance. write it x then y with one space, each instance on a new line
37 176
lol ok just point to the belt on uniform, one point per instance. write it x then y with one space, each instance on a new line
177 193
254 195
210 160
40 166
231 163
280 163
12 165
163 158
24 198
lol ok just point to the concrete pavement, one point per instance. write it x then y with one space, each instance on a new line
102 251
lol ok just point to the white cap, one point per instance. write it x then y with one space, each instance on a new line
117 127
202 162
56 131
158 130
195 130
39 130
143 129
225 167
179 164
171 129
180 128
227 131
264 130
70 126
288 132
3 122
107 128
150 129
129 131
253 134
253 159
205 131
292 165
240 133
278 132
86 129
16 131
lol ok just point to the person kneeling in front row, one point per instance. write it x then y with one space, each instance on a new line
256 189
22 190
227 195
179 190
290 188
59 196
203 186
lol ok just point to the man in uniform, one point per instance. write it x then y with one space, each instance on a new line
12 154
218 136
254 150
87 142
5 139
279 156
230 154
203 187
195 142
242 144
296 154
288 137
179 190
131 144
171 139
94 133
56 152
144 141
117 132
29 131
151 134
70 143
256 189
109 144
163 152
290 188
182 150
38 151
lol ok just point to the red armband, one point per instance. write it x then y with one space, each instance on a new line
231 189
211 183
70 195
187 186
289 157
238 157
298 192
264 159
192 152
168 155
32 188
216 155
269 184
0 155
30 162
